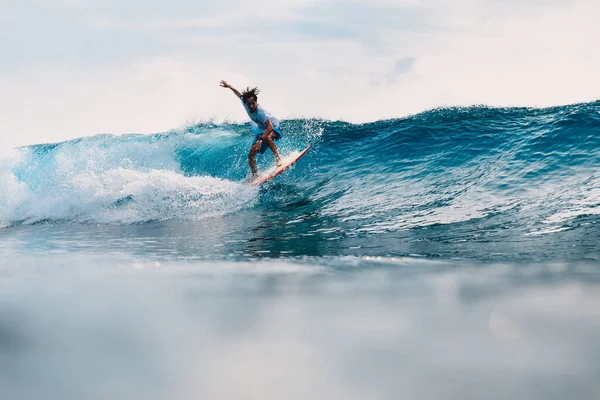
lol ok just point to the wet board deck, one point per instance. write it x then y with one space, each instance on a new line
286 162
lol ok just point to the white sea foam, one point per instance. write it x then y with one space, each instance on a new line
100 180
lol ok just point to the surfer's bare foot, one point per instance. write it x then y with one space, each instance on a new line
251 178
278 161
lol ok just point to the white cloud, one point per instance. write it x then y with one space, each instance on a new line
225 13
148 67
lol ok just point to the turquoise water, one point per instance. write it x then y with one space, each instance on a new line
450 254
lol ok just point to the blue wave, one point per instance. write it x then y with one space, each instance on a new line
523 171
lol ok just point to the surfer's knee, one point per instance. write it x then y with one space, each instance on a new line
270 140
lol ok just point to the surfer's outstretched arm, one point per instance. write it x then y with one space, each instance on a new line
228 86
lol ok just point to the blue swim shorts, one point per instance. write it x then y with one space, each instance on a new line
263 145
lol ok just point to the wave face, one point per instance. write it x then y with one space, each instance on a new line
449 182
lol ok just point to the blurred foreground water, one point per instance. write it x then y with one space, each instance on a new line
79 325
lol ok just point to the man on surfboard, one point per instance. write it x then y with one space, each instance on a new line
263 125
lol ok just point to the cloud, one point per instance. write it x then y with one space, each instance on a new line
404 65
77 68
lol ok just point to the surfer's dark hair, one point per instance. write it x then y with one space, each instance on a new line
250 93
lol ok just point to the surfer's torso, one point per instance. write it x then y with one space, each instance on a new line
260 116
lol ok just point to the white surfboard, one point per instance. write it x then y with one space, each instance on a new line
286 162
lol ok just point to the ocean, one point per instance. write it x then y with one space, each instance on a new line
452 254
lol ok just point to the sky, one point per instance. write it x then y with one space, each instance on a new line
73 68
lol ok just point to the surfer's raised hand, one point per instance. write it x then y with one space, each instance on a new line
228 86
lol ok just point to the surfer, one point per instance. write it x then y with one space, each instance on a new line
262 124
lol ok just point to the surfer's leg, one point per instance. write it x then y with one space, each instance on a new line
252 159
270 141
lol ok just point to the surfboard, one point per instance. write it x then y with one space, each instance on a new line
286 162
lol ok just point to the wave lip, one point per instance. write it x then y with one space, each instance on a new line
528 170
110 180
